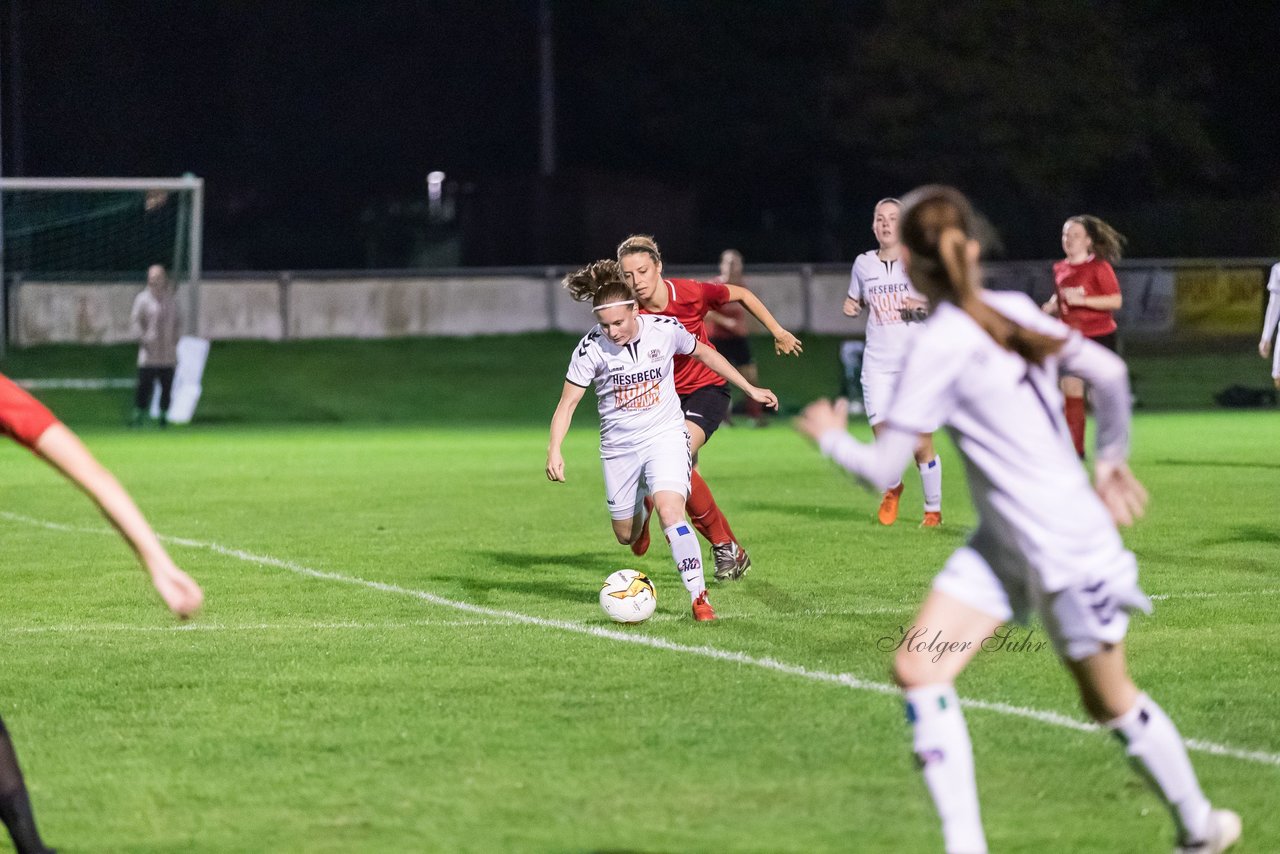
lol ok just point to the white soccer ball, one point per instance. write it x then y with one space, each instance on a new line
628 596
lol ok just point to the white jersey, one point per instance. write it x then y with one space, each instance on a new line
634 385
883 289
1005 417
1272 315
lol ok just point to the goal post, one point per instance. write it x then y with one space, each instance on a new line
93 231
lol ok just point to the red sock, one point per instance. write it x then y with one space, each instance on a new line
1074 410
704 513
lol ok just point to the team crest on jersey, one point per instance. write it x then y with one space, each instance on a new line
655 355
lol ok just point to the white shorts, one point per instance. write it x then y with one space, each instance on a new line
877 391
877 394
1080 619
661 464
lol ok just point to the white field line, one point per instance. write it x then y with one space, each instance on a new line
78 383
99 628
844 679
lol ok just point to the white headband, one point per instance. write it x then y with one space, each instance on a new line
613 304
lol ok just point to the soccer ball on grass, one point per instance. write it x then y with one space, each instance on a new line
628 596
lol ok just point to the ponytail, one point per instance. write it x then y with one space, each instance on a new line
600 282
936 228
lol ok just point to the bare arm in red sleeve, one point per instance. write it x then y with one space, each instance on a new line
31 424
784 343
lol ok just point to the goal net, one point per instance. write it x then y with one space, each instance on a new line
75 250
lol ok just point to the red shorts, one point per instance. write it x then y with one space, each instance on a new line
21 415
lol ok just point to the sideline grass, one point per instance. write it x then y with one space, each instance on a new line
299 714
492 380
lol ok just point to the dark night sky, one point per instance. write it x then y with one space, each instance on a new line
301 115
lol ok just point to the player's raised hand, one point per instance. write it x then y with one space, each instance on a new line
786 344
851 307
823 415
555 466
1124 496
1073 296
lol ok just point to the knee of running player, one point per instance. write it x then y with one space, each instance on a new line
669 506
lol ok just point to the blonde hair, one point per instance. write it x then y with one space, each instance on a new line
600 281
937 224
640 243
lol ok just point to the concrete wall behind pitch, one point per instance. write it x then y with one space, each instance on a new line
67 312
293 306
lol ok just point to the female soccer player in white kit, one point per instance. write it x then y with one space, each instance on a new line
644 446
897 312
987 367
1269 322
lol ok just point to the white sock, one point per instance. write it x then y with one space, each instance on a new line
1153 743
931 483
942 747
688 556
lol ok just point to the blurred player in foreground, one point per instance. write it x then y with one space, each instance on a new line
987 368
704 398
644 445
898 310
29 423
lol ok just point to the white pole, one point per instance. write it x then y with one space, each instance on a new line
196 249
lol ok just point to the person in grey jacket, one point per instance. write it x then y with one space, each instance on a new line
155 324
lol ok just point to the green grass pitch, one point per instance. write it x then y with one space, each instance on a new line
401 649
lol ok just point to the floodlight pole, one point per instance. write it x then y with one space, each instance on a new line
546 90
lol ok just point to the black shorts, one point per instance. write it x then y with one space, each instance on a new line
737 350
706 407
1108 341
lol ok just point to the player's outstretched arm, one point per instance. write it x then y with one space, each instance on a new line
718 363
63 450
784 343
879 464
569 397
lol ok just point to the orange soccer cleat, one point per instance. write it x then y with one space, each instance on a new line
889 506
932 519
641 545
702 610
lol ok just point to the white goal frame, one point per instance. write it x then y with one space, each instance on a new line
194 228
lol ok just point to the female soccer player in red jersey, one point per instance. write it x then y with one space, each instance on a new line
1046 542
704 397
1086 295
28 422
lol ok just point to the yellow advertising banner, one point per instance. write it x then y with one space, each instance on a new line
1219 301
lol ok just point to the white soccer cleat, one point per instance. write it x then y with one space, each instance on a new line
731 561
1224 831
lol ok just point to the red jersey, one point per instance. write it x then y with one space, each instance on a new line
1098 279
21 415
733 312
688 302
